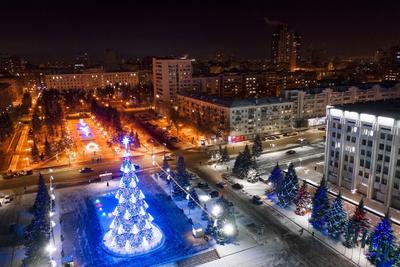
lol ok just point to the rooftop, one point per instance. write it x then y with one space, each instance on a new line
231 102
343 88
386 108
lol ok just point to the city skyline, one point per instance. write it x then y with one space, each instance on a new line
243 29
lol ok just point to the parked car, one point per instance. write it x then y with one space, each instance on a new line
221 184
86 170
8 199
214 194
290 152
169 156
237 186
202 185
256 200
173 139
263 179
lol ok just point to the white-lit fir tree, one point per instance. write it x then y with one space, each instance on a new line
132 230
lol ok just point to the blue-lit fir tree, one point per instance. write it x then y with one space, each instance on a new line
320 207
276 177
37 233
132 230
382 244
181 179
337 218
288 188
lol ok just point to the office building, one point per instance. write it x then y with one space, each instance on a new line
170 77
363 149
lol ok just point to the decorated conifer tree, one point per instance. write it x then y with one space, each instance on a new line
224 157
181 179
193 199
257 146
37 233
238 164
223 224
276 177
287 190
337 218
320 207
303 201
132 230
357 225
382 245
163 174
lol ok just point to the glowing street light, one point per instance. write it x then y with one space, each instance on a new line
216 211
50 248
228 229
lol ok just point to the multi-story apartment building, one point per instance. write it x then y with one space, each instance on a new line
285 48
235 85
363 149
237 119
310 104
170 77
90 80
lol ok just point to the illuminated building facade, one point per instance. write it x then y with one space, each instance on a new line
363 150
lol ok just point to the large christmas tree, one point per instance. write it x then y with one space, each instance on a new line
303 201
337 218
287 191
181 179
382 245
132 230
276 177
320 208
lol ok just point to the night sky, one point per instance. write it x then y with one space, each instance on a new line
41 30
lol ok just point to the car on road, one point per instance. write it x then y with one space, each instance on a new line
202 185
214 194
221 184
173 139
8 199
169 157
86 170
256 200
237 186
290 152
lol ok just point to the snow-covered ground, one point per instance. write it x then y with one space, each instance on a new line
83 233
288 218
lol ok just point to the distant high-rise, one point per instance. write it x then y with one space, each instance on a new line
81 61
285 48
